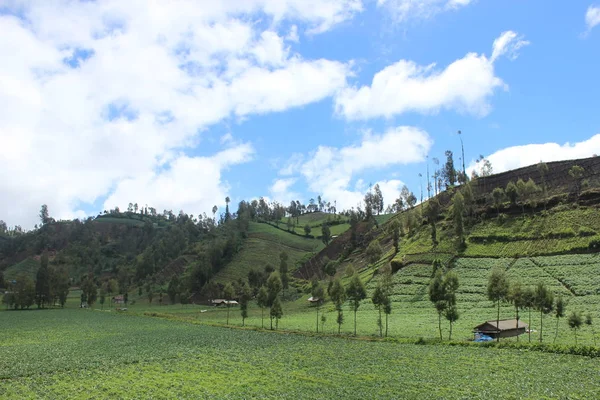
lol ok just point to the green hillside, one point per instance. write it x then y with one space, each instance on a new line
29 267
263 246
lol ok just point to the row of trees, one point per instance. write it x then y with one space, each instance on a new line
51 287
501 290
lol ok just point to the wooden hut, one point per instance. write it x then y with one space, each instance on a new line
504 328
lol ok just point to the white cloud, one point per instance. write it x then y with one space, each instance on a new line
508 43
403 10
329 171
592 17
280 190
521 156
102 98
465 85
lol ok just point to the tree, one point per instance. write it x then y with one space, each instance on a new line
356 292
559 312
451 314
274 287
451 284
516 296
522 192
589 322
317 293
23 292
283 271
244 300
379 299
437 295
458 209
174 288
42 283
150 296
449 173
529 303
276 312
338 296
432 212
378 200
325 233
576 172
575 323
396 235
307 229
44 215
512 193
497 290
102 296
90 290
228 293
498 196
262 300
374 251
543 170
544 300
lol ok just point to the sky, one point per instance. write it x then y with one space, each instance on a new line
179 104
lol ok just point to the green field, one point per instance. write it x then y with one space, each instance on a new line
102 355
266 242
576 277
29 267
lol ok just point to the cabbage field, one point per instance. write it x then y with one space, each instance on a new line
101 355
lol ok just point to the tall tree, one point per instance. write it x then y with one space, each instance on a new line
245 296
451 284
356 292
274 287
23 292
449 173
379 299
576 173
529 304
542 168
325 233
374 251
437 295
262 300
42 283
227 213
458 209
516 296
44 214
433 211
228 293
317 293
283 271
396 235
89 290
559 312
575 323
338 296
498 290
307 230
544 300
276 312
512 193
378 201
498 196
174 288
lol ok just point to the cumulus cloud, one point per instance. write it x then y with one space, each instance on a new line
108 99
402 10
465 85
521 156
280 190
329 171
592 17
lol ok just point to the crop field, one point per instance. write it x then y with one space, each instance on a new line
413 315
28 266
101 355
266 242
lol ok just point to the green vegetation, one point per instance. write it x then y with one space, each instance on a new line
114 356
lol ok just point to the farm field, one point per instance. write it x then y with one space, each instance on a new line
576 277
81 353
266 242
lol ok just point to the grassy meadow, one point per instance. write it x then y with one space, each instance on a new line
104 355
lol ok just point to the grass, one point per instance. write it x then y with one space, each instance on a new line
101 355
263 246
29 266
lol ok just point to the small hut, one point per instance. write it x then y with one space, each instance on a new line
503 328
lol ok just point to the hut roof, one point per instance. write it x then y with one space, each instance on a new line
503 325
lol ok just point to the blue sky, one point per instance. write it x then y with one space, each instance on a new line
178 107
